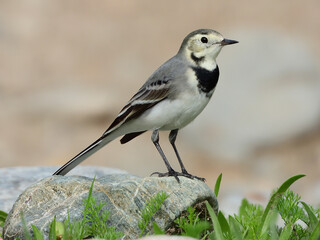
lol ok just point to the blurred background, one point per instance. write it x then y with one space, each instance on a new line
68 67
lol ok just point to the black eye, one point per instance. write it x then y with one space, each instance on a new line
204 40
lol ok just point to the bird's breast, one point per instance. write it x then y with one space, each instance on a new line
187 105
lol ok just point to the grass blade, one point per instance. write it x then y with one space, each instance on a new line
269 221
244 205
26 232
223 223
235 229
284 187
217 185
316 233
274 232
156 229
52 230
3 217
312 217
86 204
216 225
152 205
286 232
37 234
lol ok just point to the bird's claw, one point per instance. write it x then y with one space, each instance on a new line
178 174
188 175
168 174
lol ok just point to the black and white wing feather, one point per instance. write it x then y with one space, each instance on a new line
148 95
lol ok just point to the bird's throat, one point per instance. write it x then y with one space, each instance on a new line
207 80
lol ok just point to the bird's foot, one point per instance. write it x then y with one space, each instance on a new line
178 174
188 175
168 174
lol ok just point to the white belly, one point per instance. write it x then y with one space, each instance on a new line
174 114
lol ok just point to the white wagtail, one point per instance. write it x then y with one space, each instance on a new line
173 96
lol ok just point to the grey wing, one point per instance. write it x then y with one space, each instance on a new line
158 87
148 96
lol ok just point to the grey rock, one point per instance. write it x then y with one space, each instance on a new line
13 181
124 195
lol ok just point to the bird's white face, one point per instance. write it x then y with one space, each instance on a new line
206 45
202 47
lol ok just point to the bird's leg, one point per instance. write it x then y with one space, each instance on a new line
171 172
172 138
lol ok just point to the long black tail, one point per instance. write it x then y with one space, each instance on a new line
94 147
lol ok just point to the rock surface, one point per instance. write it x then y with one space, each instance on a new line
125 196
13 181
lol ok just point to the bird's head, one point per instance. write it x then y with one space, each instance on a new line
203 45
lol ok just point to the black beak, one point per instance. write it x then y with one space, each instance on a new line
227 42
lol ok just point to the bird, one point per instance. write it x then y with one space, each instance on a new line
172 97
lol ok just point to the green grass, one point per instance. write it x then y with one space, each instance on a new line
152 206
3 216
298 220
192 225
253 221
